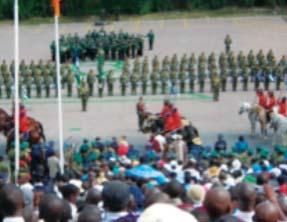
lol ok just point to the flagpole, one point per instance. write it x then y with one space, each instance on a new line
16 88
60 109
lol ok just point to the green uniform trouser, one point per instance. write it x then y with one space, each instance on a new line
211 85
234 83
227 49
201 86
191 86
38 91
154 88
266 83
134 89
278 84
182 87
223 84
84 104
28 89
91 89
8 92
69 89
216 93
245 84
164 88
47 88
110 89
123 90
101 91
144 88
256 84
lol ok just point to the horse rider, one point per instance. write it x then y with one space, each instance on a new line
262 100
141 110
282 103
270 104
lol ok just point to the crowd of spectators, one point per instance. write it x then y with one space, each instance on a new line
114 182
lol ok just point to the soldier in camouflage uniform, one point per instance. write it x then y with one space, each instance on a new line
182 79
251 60
278 71
8 81
256 71
166 63
22 66
135 77
144 81
183 63
137 66
164 78
201 71
155 65
271 60
124 82
12 68
28 82
174 63
223 63
267 72
245 76
228 42
1 84
191 72
261 58
47 82
70 81
212 68
4 67
84 94
64 72
154 82
216 87
38 82
91 81
110 82
233 72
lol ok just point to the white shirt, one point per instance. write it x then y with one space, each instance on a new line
74 212
245 216
110 216
13 219
53 164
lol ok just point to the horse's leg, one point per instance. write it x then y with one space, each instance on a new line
253 126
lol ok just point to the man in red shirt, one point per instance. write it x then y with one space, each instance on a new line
283 106
176 119
262 100
167 108
271 101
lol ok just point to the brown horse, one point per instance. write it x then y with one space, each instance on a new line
36 130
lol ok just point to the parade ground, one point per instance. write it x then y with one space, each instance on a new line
116 116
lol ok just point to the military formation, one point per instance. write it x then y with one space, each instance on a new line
116 46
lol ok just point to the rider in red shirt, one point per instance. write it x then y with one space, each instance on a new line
167 108
283 106
176 119
262 98
271 101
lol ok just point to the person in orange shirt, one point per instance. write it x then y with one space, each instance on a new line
176 119
283 106
262 100
271 101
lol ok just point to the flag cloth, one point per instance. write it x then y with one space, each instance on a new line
56 7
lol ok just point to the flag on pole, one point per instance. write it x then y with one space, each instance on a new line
57 8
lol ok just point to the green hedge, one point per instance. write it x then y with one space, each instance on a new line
42 8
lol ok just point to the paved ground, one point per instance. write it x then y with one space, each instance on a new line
116 116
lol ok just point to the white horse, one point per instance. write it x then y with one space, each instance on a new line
279 125
255 114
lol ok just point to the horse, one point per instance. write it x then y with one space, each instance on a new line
36 129
255 114
278 123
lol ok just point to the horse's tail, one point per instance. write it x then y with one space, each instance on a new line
42 131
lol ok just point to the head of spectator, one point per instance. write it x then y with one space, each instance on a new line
175 191
70 193
266 212
217 202
51 208
94 196
11 202
90 214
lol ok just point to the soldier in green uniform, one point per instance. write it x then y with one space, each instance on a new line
192 77
166 63
233 72
154 82
70 81
182 79
8 81
91 81
110 82
261 59
174 63
278 71
135 77
216 87
124 82
144 81
28 81
251 61
271 60
223 76
151 38
12 68
22 66
267 72
201 71
145 66
101 85
84 94
3 67
47 82
164 77
256 71
155 64
245 76
183 63
137 65
227 42
240 58
38 82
